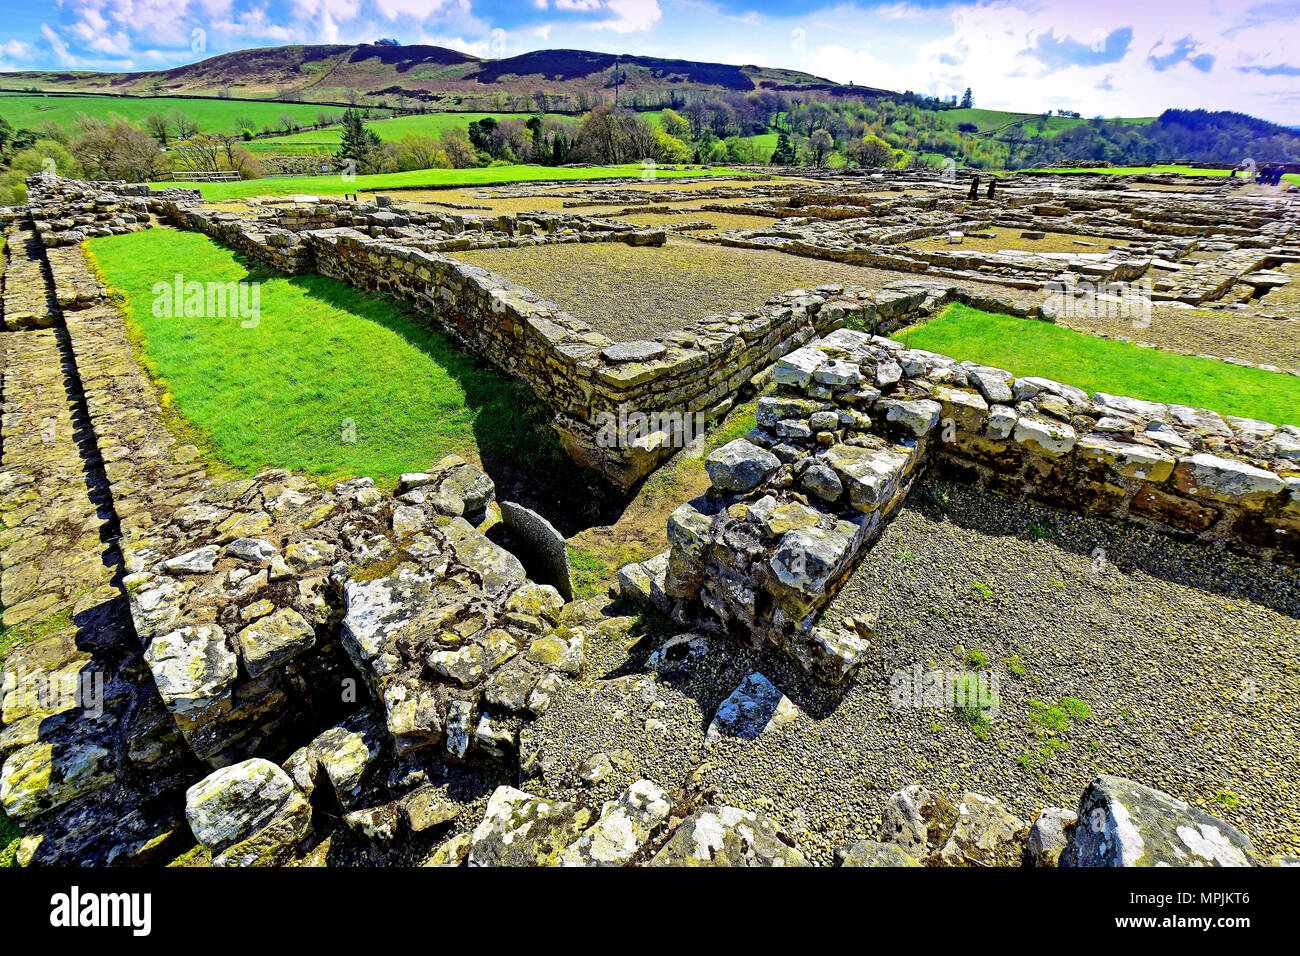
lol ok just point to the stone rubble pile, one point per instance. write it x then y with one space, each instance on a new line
255 813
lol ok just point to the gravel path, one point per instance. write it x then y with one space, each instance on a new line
1187 660
1008 237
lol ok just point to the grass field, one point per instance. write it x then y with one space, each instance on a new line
1032 347
9 837
214 115
430 178
1167 168
323 355
389 130
989 120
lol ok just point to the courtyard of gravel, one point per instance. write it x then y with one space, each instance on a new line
1185 658
636 292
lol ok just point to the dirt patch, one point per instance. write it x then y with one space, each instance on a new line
1241 335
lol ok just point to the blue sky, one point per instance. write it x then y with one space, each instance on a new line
1110 57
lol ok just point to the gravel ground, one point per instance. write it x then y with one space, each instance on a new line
1009 238
439 198
631 292
1239 334
1187 660
721 220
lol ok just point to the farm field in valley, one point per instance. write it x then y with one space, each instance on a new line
389 130
212 115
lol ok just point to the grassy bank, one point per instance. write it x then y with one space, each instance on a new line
1031 347
597 553
331 381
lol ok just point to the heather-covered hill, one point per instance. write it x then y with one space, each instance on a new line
569 79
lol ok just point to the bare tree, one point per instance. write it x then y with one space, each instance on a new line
182 126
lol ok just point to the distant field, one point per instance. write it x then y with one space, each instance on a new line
1032 347
425 178
1134 170
214 115
389 130
989 120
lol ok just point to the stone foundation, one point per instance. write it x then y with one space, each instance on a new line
854 417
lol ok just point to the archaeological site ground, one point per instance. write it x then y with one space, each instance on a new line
567 460
746 519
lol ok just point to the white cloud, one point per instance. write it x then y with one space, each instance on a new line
16 50
60 49
630 16
845 65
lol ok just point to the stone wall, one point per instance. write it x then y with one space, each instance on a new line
589 381
795 504
581 374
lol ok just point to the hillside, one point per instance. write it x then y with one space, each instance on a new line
570 80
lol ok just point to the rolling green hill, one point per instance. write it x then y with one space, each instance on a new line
572 80
991 121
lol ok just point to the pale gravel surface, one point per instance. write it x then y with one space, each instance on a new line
1189 660
1244 334
632 292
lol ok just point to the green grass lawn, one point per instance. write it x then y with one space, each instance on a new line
1168 168
212 115
1032 347
429 178
322 355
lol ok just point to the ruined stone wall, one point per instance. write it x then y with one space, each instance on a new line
586 378
589 381
581 374
795 504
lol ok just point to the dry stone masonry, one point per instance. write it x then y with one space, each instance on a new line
854 417
261 663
